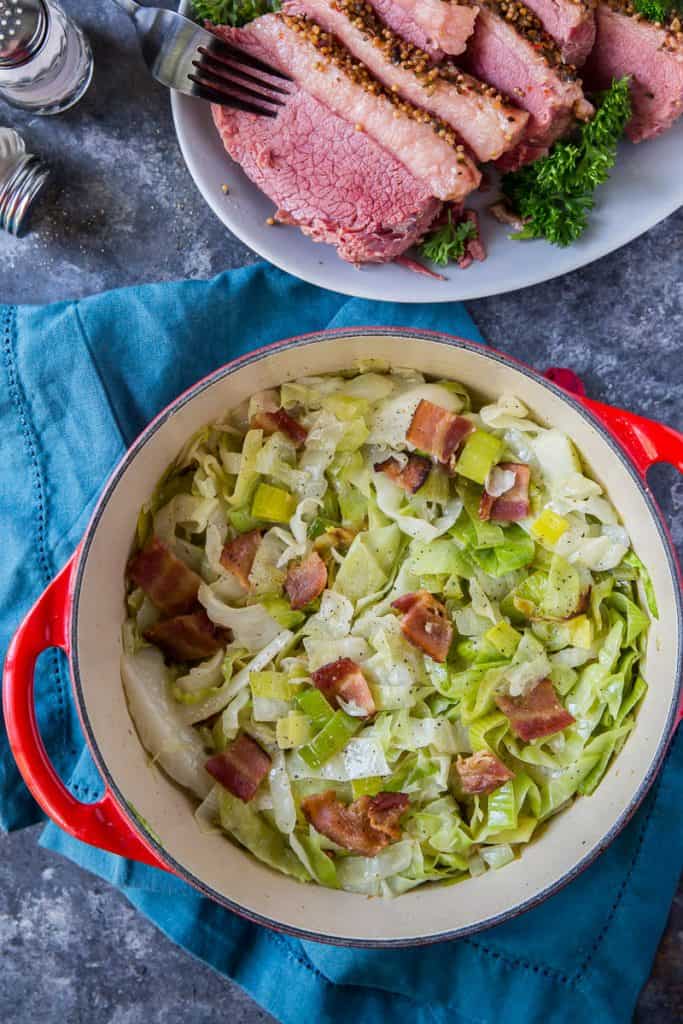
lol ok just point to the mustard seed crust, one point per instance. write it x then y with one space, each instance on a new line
402 53
672 25
332 51
531 28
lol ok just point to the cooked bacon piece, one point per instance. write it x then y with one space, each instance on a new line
385 811
366 826
279 419
343 679
238 555
411 477
241 768
425 624
188 637
538 713
168 582
513 505
306 580
482 772
437 431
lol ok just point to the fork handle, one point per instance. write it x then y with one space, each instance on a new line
129 6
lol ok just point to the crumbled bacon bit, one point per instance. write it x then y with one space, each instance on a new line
241 767
365 826
425 623
538 713
411 476
482 772
306 580
188 637
167 581
238 555
438 431
271 421
513 505
344 680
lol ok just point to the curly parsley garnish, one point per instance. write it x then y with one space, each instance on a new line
657 10
233 12
554 195
447 243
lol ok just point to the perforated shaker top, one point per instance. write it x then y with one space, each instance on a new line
23 26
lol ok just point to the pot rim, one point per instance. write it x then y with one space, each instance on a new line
148 434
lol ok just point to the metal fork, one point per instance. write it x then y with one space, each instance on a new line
185 57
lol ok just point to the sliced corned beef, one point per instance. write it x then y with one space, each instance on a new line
400 20
571 23
487 124
627 44
510 49
327 71
436 24
333 182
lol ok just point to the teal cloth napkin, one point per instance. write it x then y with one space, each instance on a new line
77 383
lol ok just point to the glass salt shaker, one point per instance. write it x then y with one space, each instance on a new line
46 62
22 177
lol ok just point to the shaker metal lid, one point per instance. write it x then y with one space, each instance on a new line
23 27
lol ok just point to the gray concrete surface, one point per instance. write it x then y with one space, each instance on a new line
125 211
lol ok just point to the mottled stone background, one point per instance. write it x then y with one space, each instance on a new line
126 211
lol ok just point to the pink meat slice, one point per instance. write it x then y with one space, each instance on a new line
401 21
651 55
346 87
571 23
510 49
333 182
442 24
486 123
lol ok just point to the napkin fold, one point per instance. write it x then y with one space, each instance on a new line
78 381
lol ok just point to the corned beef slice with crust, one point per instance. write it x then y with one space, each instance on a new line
652 56
401 21
321 66
332 181
510 49
571 23
487 124
433 25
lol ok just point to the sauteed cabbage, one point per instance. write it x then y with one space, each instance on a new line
345 739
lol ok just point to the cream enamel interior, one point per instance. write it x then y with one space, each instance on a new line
231 873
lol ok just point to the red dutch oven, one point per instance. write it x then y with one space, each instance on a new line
83 608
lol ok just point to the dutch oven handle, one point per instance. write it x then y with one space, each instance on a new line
646 442
101 824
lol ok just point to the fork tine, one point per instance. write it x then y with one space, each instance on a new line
221 83
206 93
218 65
224 52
